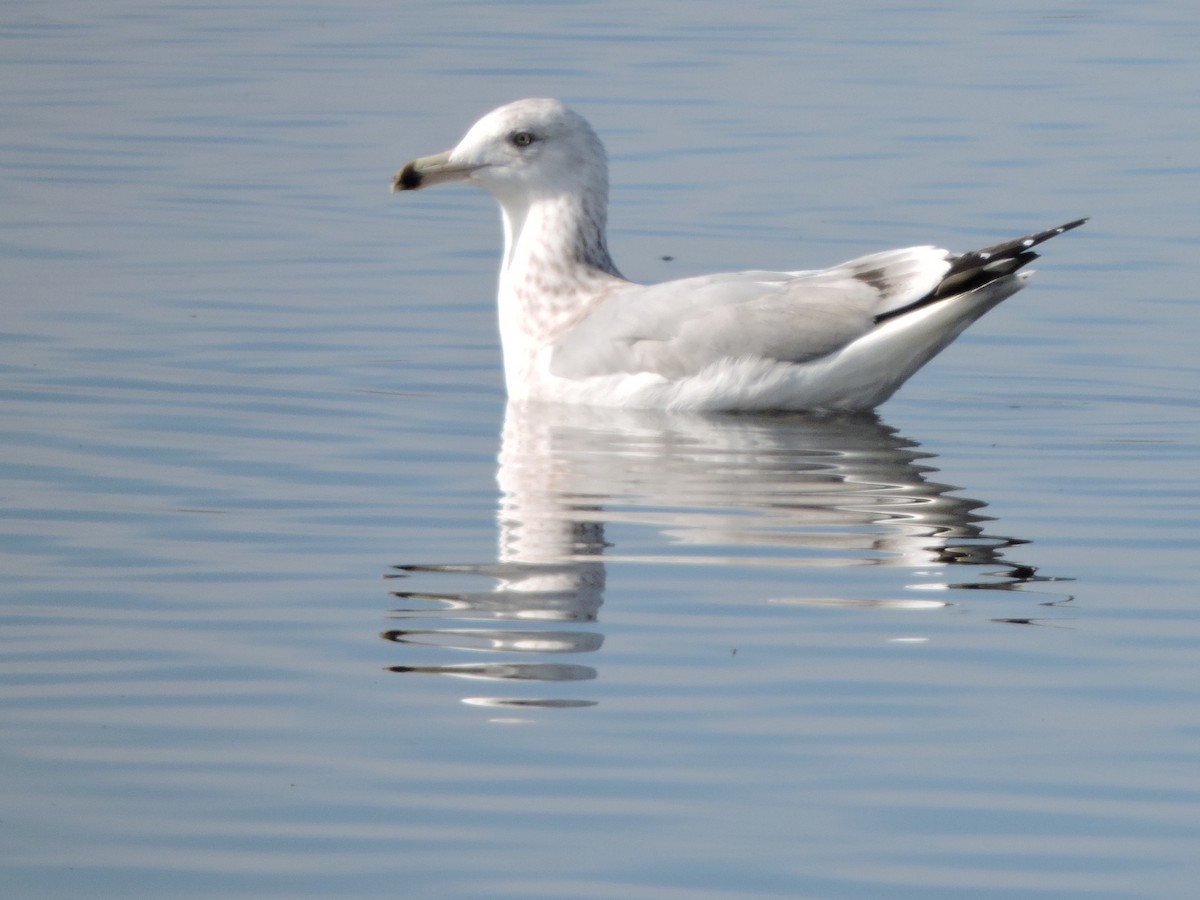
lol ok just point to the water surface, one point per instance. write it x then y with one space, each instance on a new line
294 606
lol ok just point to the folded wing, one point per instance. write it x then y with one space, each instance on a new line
677 328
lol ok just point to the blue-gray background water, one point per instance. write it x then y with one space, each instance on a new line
949 651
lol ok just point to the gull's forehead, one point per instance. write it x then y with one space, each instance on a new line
531 114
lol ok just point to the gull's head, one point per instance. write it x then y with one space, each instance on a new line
518 152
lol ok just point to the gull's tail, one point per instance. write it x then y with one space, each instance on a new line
977 268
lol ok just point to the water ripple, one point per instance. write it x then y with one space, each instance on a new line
734 494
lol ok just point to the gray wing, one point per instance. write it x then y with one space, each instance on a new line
677 328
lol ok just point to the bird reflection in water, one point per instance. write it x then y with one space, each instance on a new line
784 490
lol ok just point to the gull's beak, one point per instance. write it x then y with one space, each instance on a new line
429 170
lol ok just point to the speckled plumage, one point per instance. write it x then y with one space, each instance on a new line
575 330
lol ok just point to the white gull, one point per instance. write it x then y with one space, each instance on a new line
574 330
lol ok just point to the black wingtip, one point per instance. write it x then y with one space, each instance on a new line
979 267
996 258
1055 232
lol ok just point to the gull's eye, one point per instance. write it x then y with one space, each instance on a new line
522 138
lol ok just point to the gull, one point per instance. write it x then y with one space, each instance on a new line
574 330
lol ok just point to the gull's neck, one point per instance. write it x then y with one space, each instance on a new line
556 268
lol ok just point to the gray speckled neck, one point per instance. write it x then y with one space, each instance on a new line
556 265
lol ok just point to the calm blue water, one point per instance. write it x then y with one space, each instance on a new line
292 606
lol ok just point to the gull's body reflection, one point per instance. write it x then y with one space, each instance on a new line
793 490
